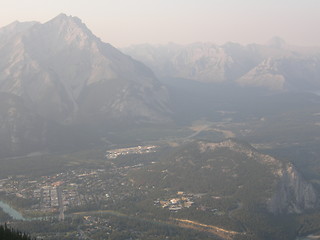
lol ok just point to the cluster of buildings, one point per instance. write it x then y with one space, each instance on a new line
112 154
66 190
182 200
48 196
74 188
177 203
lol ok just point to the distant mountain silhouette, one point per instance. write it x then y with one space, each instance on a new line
275 66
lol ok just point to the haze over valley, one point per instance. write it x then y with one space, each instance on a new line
154 141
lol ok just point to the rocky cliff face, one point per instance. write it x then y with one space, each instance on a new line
293 194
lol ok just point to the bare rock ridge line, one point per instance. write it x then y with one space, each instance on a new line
275 66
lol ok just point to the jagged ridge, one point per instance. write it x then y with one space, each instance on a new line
275 66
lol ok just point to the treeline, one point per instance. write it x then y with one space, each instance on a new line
10 234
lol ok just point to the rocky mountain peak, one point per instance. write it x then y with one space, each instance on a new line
62 70
276 42
70 21
69 30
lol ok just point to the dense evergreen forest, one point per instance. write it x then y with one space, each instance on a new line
10 234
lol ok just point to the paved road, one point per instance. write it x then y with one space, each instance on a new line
60 201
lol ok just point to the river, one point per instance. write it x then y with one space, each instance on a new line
12 212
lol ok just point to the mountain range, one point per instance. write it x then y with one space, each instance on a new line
61 85
274 66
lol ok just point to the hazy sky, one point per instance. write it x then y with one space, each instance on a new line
125 22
